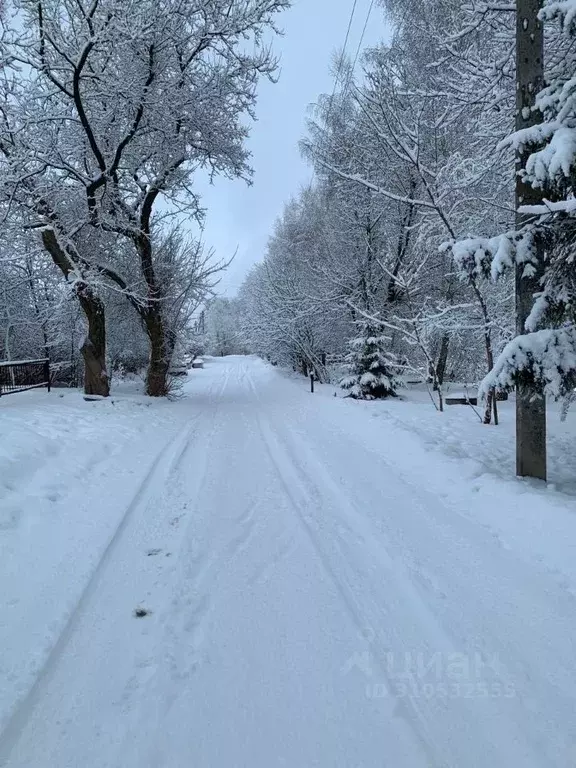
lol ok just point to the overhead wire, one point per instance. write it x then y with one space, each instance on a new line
362 36
341 61
343 58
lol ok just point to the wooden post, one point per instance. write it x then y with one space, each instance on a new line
312 383
530 400
47 374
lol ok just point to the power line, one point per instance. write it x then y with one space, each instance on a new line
342 59
362 36
356 55
341 63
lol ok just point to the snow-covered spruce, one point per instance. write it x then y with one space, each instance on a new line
492 256
544 355
547 357
370 374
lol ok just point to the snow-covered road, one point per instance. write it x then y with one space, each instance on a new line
319 593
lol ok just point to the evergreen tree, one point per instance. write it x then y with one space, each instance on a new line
371 374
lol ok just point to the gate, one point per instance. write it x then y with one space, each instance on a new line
21 375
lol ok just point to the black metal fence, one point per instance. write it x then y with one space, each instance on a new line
21 375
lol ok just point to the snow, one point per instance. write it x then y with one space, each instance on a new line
479 256
68 471
535 134
8 363
555 160
566 9
548 355
567 206
324 582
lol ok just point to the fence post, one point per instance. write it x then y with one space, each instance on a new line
312 383
47 374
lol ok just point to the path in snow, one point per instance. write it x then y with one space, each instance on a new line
312 603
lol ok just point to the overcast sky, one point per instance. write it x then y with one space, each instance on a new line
241 217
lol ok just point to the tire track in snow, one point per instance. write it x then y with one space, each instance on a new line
195 454
155 479
289 475
180 648
295 482
366 610
337 527
403 619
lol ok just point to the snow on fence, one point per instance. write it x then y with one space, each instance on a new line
21 375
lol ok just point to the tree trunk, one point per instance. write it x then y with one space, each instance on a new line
403 244
157 384
96 380
491 398
530 400
442 359
488 408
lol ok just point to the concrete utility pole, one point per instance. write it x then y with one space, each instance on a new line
530 400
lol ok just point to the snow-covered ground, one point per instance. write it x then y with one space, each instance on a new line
323 582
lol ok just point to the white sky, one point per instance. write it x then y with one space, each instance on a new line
241 217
